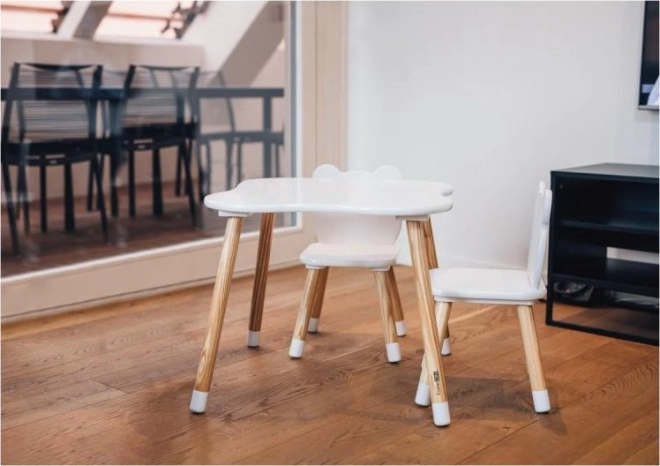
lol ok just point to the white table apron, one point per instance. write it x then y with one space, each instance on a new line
411 201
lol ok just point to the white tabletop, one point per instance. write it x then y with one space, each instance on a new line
401 198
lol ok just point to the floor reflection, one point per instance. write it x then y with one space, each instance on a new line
56 247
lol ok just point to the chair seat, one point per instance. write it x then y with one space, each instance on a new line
373 256
484 285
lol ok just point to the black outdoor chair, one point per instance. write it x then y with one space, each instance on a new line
152 116
50 119
215 121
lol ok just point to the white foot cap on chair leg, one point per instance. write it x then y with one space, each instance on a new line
198 401
393 352
441 414
313 326
423 395
400 328
296 349
541 401
446 347
253 339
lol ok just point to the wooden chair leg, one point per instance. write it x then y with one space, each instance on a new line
442 311
300 332
260 276
533 359
319 294
389 329
397 310
432 344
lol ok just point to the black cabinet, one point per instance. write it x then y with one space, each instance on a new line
603 216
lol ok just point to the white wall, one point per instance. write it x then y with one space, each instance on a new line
492 96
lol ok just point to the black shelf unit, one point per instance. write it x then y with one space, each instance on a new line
596 208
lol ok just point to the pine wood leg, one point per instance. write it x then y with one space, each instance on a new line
420 256
300 332
533 359
389 329
260 278
397 310
319 294
433 264
216 314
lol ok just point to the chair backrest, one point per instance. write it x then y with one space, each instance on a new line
163 108
539 237
61 114
355 228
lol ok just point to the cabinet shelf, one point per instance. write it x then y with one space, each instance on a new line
634 223
613 274
599 207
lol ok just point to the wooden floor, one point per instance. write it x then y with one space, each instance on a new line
112 386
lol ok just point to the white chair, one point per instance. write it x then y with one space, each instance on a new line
521 288
351 240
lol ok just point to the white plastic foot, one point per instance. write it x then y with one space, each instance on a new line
393 352
198 401
440 414
296 348
400 328
423 395
313 326
446 347
541 401
253 339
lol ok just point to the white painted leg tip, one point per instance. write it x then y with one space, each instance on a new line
440 414
400 328
541 401
423 395
296 349
198 401
393 352
253 339
313 326
446 347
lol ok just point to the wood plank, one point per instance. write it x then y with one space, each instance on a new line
112 385
570 437
19 411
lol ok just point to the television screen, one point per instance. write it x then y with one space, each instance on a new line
648 89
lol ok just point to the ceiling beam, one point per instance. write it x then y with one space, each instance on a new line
82 19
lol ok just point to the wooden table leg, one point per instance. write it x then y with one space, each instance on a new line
216 314
433 264
260 277
420 259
